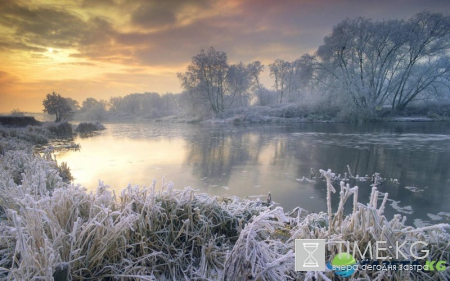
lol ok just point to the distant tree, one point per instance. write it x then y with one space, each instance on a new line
280 70
266 97
205 79
299 76
88 104
255 68
291 78
93 109
73 104
55 104
213 85
115 104
307 71
17 113
170 103
243 81
239 83
147 105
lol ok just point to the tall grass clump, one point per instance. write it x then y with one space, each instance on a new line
23 174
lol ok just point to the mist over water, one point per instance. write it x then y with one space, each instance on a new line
253 160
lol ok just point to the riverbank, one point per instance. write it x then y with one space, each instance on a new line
297 113
159 232
274 114
18 121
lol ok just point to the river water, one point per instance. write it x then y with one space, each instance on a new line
251 160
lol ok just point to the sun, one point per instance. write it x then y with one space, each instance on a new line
50 50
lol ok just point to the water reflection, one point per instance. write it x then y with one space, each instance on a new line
252 160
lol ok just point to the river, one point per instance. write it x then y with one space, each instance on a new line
251 160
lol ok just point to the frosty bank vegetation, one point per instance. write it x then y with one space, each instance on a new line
49 227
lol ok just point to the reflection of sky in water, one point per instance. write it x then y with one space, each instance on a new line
119 161
252 160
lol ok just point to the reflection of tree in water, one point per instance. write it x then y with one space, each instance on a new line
214 154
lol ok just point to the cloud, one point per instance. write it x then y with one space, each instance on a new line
35 28
41 26
169 33
156 14
98 3
5 46
79 63
153 32
7 78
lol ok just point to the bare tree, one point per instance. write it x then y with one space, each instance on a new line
255 68
279 70
386 62
426 64
243 82
205 79
213 85
94 109
238 84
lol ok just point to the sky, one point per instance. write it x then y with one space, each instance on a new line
106 48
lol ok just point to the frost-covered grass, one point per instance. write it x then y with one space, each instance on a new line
314 111
280 113
29 135
161 233
33 135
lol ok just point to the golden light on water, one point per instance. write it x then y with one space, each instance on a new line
137 162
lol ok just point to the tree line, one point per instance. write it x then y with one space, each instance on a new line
145 105
363 66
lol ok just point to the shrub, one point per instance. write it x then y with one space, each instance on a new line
87 128
61 130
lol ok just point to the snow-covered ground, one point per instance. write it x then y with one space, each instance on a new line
286 113
411 119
